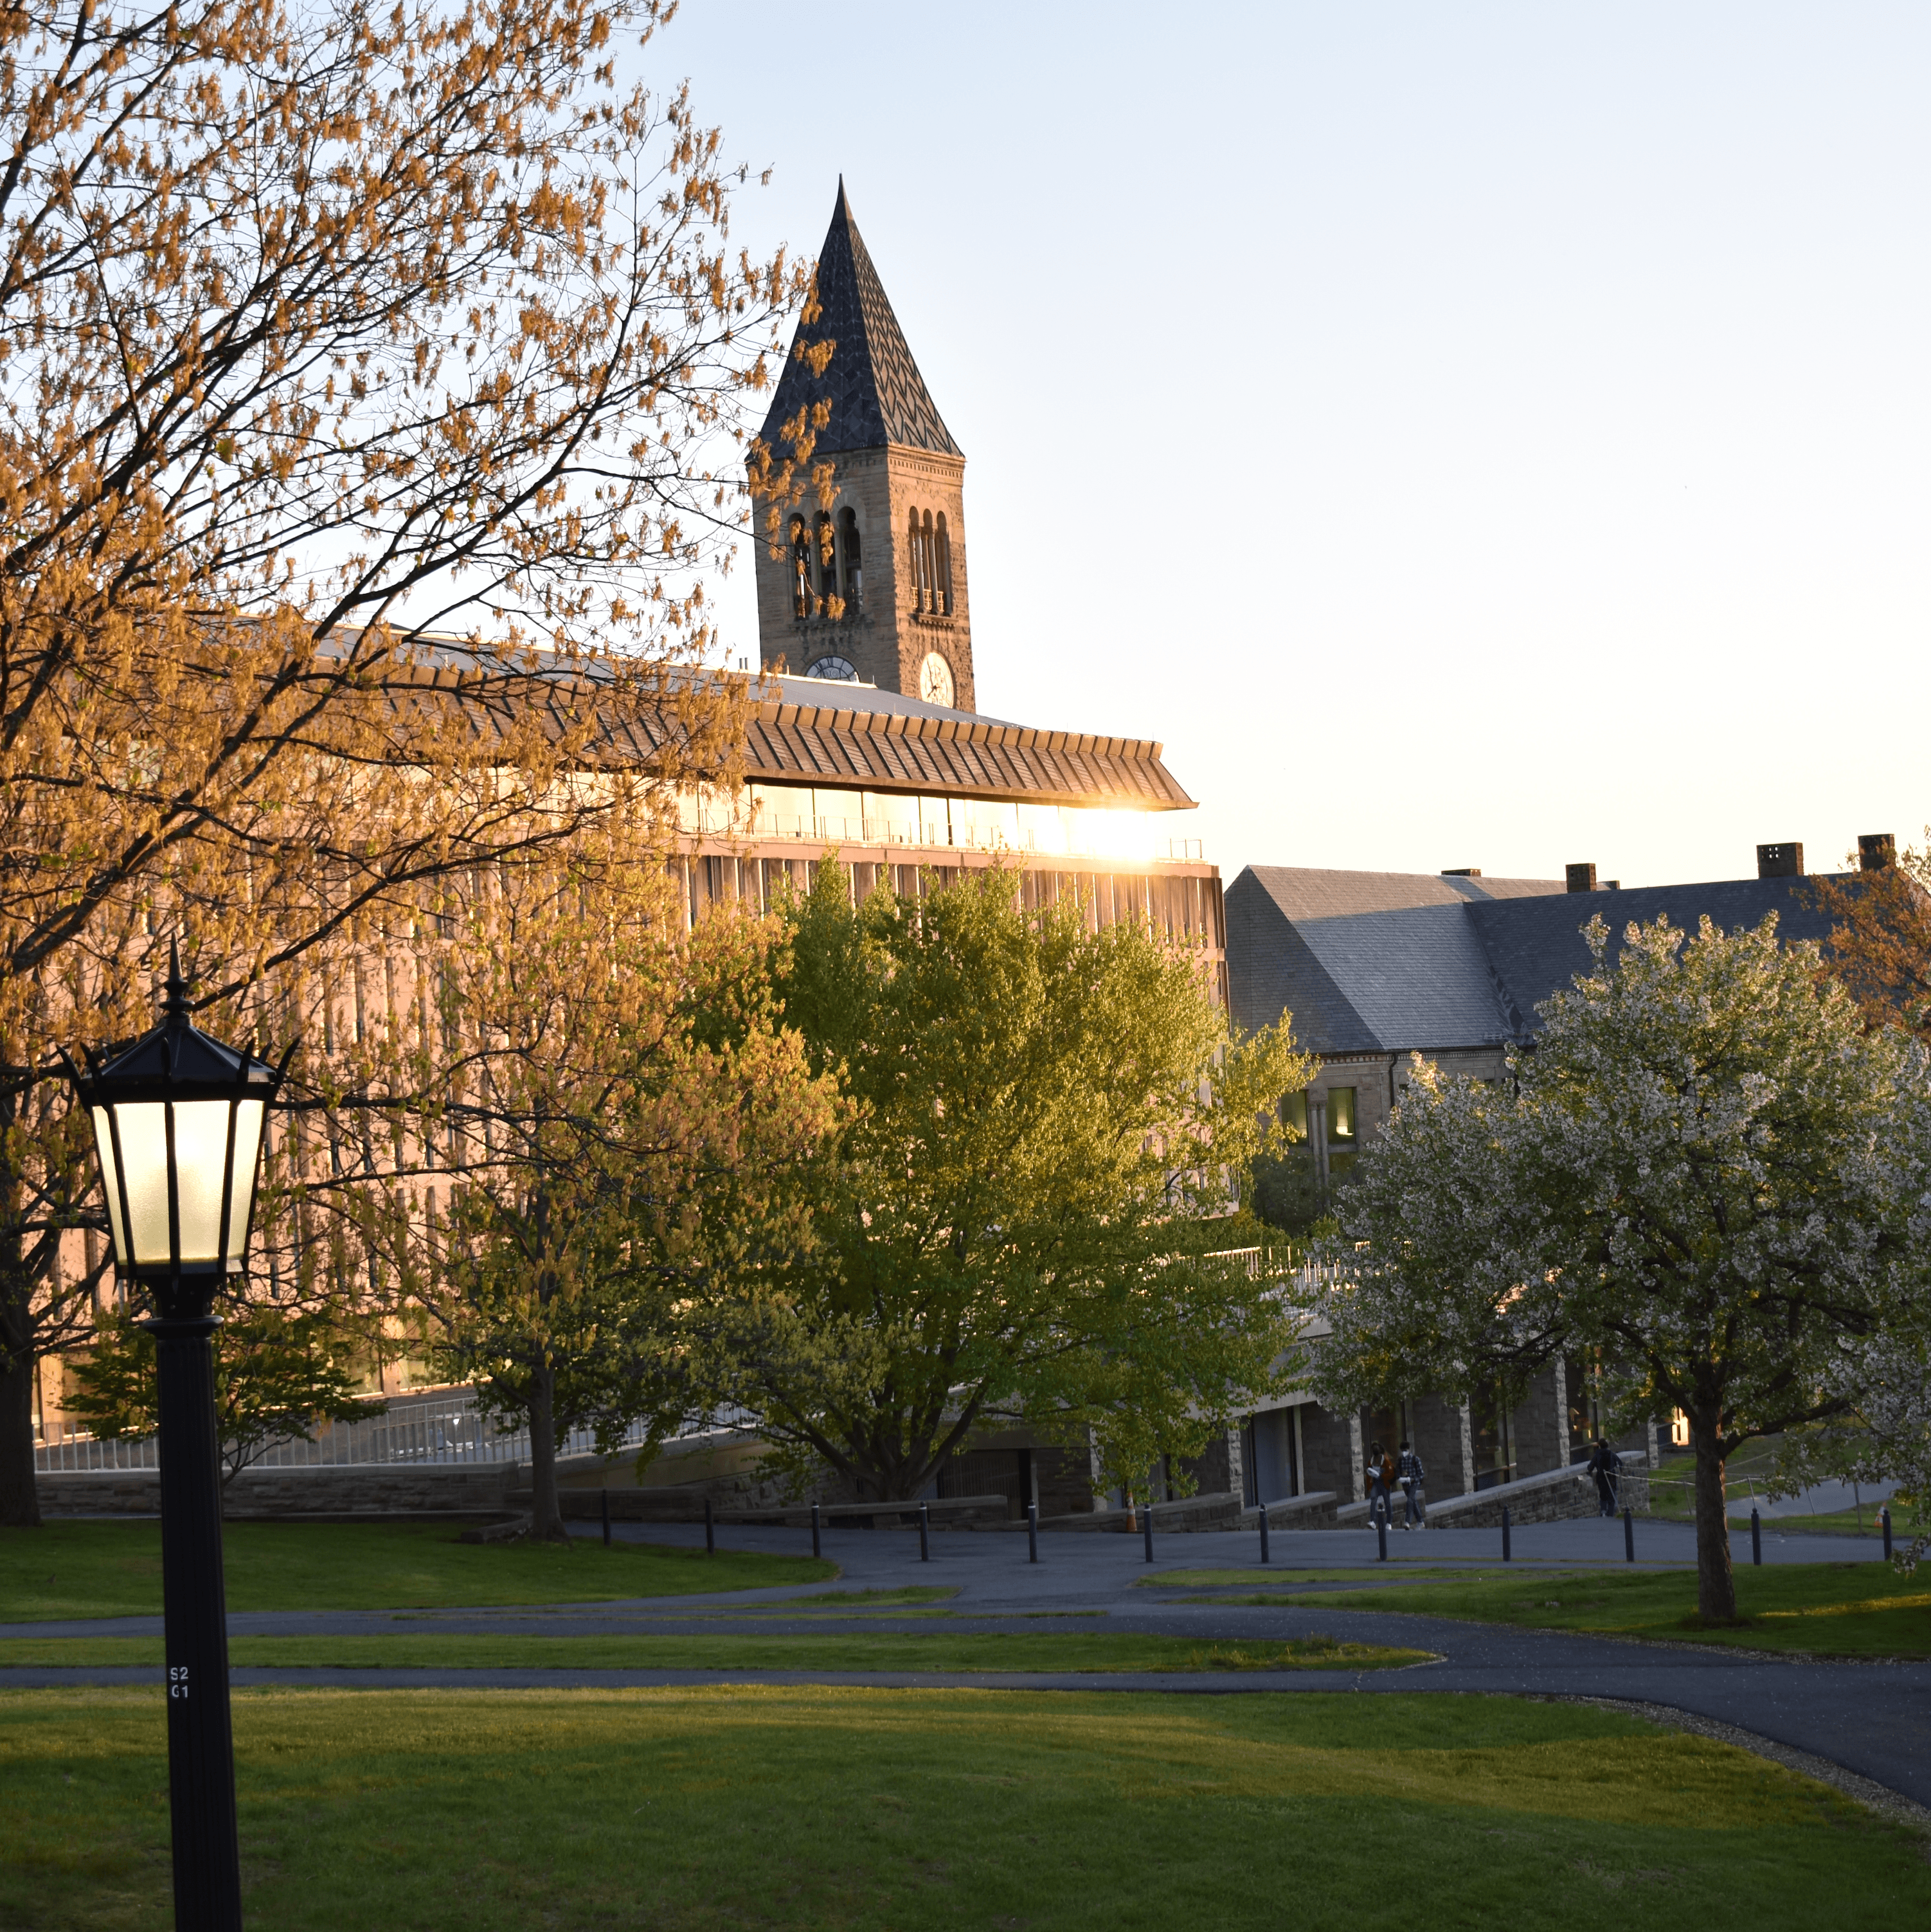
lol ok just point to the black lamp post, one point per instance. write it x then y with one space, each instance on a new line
177 1126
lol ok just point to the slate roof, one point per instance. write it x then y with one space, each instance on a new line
1536 950
876 394
1392 962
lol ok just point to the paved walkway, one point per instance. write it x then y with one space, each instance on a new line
1873 1719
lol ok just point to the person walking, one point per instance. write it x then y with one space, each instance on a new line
1411 1475
1379 1469
1606 1466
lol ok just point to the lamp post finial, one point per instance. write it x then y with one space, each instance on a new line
175 1006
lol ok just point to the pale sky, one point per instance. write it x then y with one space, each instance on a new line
1466 435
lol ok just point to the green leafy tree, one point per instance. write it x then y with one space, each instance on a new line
278 1373
1704 1173
605 1106
1020 1219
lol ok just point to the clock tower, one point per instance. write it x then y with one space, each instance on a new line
872 585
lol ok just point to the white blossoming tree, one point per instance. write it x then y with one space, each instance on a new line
1884 1431
1704 1173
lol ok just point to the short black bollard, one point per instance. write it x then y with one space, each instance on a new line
1756 1537
604 1495
1884 1516
1032 1532
815 1548
1146 1524
1507 1557
1264 1557
1381 1534
709 1531
1629 1537
925 1532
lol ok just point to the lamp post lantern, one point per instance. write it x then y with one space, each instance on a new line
177 1122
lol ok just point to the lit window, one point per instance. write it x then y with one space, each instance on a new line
1340 1113
1294 1112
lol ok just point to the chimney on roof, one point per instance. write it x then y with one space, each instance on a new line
1461 871
1612 885
1581 878
1785 861
1876 850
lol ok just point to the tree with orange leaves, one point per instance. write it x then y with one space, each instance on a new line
369 379
1880 943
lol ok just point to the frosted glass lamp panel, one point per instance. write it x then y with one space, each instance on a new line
247 1150
200 1166
103 1145
144 1132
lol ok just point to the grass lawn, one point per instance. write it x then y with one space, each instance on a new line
1283 1574
113 1569
1905 1522
924 1811
1671 1499
937 1650
1837 1610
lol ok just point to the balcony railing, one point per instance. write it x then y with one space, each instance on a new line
821 831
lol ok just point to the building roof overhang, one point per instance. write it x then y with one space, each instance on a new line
855 747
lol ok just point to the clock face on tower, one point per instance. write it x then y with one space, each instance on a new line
935 680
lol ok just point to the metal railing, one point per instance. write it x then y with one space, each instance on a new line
442 1429
933 834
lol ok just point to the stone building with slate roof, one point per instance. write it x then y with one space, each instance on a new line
874 587
1376 967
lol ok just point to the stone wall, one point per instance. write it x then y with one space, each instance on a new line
1556 1495
686 1505
1327 1460
1437 1424
350 1490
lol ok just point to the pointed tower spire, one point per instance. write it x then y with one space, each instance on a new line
867 581
877 395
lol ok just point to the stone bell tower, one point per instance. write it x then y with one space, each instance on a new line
874 587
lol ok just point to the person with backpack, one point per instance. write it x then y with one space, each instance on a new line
1606 1466
1410 1473
1380 1472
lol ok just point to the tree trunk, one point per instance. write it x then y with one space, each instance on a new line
1715 1586
546 1513
20 1503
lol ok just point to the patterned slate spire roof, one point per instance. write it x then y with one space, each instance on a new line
876 394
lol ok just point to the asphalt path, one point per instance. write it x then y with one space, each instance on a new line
1874 1719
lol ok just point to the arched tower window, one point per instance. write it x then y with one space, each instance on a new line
942 565
828 559
849 549
800 568
929 557
915 562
